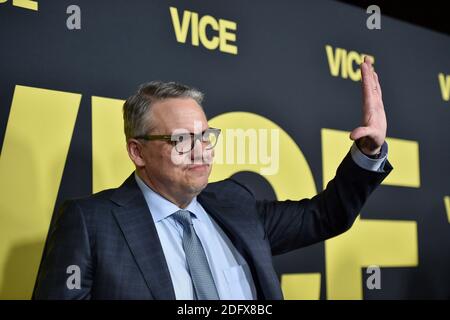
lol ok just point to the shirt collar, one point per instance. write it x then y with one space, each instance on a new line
161 208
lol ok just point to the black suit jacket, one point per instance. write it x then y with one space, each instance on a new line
111 235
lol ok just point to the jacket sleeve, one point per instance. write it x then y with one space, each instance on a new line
66 266
294 224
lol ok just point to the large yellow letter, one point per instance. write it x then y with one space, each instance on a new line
110 162
293 168
369 242
34 152
444 83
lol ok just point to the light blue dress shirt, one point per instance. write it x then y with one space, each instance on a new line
228 275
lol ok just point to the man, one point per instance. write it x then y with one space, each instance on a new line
166 233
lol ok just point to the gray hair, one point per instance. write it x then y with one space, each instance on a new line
136 110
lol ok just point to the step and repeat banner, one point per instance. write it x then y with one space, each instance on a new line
284 71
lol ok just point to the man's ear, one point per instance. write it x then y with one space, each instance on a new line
134 148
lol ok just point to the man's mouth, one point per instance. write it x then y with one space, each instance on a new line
198 167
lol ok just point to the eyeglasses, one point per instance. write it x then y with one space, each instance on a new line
185 142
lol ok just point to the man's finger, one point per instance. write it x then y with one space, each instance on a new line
368 82
369 62
378 84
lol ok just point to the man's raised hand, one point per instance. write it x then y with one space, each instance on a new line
372 132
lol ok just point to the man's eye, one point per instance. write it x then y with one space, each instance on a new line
181 138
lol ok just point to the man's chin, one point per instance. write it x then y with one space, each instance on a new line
197 186
197 180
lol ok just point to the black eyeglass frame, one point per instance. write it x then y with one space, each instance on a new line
174 138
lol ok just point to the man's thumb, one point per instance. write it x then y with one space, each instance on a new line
359 133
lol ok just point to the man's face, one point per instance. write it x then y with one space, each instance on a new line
164 167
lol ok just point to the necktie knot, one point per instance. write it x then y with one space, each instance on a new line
183 217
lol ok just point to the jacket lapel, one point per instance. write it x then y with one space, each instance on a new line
242 232
136 223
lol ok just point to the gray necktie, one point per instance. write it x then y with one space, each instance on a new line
204 286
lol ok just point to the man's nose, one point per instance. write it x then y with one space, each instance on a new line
197 151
